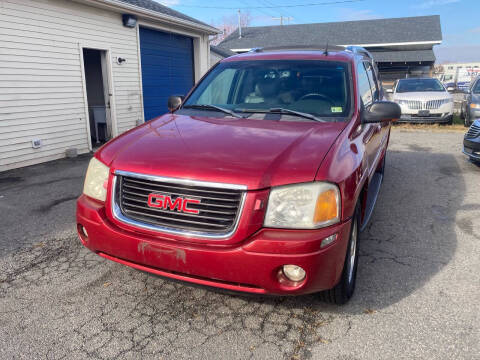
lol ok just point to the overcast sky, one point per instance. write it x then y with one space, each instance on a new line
460 19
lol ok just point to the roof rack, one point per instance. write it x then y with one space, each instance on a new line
300 48
359 50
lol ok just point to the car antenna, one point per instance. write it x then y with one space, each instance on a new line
326 49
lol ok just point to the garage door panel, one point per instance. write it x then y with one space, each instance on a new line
167 68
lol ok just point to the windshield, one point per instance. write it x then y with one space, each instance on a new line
476 89
415 85
313 87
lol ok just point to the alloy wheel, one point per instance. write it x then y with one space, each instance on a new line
353 251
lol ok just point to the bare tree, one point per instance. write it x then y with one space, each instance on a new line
438 69
228 24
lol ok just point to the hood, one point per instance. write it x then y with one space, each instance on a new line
422 95
255 153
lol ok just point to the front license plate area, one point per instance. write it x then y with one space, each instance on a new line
423 112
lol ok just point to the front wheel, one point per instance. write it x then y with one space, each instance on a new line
466 120
343 291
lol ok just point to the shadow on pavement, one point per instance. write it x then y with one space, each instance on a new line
411 236
94 308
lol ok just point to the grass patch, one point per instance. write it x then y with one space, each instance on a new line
457 120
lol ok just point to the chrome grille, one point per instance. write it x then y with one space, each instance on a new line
424 105
473 131
218 209
433 104
414 104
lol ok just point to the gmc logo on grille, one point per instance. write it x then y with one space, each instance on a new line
165 202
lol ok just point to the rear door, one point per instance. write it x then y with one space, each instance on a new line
167 68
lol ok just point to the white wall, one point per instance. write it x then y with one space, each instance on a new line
214 58
41 87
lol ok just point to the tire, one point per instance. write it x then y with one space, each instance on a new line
466 121
343 291
381 166
450 120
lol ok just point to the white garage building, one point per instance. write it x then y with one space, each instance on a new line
75 73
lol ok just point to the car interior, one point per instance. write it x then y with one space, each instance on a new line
309 89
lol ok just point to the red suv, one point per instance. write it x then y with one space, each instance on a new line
259 180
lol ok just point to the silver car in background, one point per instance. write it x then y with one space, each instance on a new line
471 103
423 100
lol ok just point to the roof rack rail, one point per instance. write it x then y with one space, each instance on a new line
359 50
300 48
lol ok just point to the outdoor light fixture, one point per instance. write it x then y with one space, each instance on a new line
129 20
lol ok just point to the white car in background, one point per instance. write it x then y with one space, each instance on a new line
423 100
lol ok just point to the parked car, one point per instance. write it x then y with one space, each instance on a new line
259 181
471 103
448 80
423 100
471 142
457 81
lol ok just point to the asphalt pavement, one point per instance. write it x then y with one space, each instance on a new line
417 296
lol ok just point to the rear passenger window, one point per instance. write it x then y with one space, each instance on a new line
364 85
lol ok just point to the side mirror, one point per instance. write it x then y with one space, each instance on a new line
174 102
382 111
390 90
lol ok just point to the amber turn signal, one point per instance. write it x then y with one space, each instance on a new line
326 208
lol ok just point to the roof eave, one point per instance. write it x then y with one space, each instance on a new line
433 42
153 15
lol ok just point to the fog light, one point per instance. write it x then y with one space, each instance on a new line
293 272
328 240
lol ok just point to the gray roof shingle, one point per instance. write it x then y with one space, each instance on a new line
380 31
222 52
155 6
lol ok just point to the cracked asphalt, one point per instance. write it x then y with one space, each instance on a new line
417 296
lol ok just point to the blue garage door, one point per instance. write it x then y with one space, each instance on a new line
167 68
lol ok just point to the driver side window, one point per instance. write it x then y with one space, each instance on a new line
364 87
373 81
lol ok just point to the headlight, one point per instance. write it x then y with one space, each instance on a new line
402 102
448 100
303 206
475 106
96 180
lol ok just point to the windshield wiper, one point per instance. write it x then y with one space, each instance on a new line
296 113
280 111
212 107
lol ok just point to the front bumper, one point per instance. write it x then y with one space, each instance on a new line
471 148
254 265
430 119
443 114
474 114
